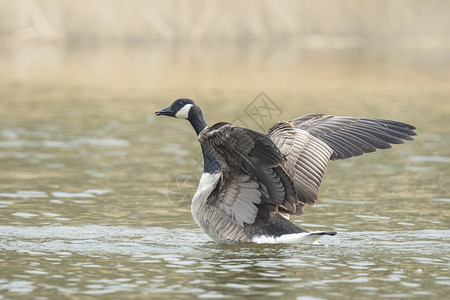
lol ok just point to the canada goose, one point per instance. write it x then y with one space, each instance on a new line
252 182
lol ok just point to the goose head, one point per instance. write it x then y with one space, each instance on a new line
181 108
185 109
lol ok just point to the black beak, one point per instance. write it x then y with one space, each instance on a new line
164 112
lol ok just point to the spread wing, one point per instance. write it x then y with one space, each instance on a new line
309 142
252 175
350 136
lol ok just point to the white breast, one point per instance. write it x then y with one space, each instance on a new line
206 185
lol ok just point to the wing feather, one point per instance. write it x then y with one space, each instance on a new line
306 159
310 141
286 167
252 175
345 134
238 199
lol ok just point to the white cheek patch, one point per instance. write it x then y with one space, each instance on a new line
183 113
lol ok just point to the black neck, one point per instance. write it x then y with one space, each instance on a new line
198 122
210 162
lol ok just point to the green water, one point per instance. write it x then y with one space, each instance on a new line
95 190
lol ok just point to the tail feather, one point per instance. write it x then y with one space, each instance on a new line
323 233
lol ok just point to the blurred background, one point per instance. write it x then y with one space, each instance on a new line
186 48
92 184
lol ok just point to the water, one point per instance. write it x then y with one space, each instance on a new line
131 261
95 190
